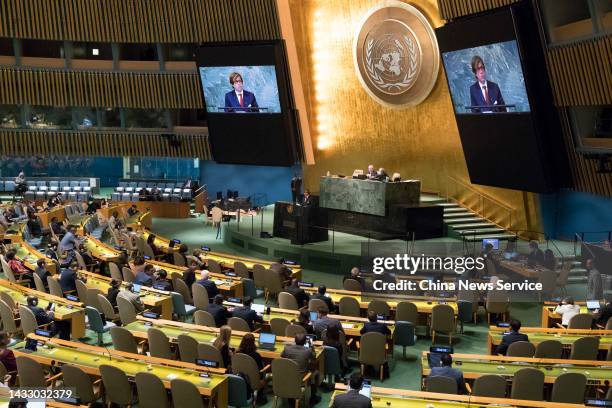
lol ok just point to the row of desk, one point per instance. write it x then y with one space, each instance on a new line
539 334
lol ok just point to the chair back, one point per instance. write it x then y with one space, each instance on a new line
279 325
287 301
8 299
54 287
379 307
445 385
274 283
291 384
585 348
127 311
237 390
200 296
581 321
333 364
177 258
6 269
151 391
563 276
314 305
185 394
204 318
210 352
549 349
407 312
178 305
609 324
528 384
80 260
497 302
81 288
465 310
117 388
243 363
521 349
404 333
238 324
123 340
372 350
107 308
74 377
241 270
128 275
569 388
115 272
159 344
349 306
188 348
548 279
91 298
181 287
213 266
259 276
40 286
94 319
28 320
30 372
352 285
443 318
249 288
492 386
7 318
293 329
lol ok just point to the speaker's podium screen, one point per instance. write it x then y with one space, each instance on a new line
248 103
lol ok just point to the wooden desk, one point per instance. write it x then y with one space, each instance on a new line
204 334
230 285
521 268
29 255
165 209
120 207
393 397
58 212
160 300
64 309
89 358
539 334
550 318
227 261
475 365
100 250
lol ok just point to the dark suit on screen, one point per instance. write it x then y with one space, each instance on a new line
495 98
248 102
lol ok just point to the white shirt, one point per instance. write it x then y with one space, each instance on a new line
567 312
482 88
238 95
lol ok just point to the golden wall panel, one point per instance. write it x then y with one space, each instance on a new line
143 21
100 89
103 143
450 9
581 73
351 130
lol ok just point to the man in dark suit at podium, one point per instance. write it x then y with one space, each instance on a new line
243 101
482 92
307 200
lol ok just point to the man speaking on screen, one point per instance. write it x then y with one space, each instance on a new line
238 98
484 93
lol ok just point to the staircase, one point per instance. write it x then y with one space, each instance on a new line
465 224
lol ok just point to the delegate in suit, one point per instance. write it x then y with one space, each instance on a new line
483 92
238 98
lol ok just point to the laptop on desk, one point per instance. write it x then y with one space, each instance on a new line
267 341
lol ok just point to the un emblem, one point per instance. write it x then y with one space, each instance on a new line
396 54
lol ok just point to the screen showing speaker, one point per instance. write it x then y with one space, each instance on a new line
240 89
500 91
249 104
486 79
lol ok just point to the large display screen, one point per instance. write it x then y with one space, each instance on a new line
500 91
249 105
486 79
240 89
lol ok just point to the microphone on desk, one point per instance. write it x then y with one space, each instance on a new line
110 357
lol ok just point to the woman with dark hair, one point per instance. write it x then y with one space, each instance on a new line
151 243
113 291
137 265
248 347
332 339
222 343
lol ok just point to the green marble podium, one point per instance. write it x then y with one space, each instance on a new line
367 196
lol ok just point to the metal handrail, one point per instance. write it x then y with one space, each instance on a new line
481 198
